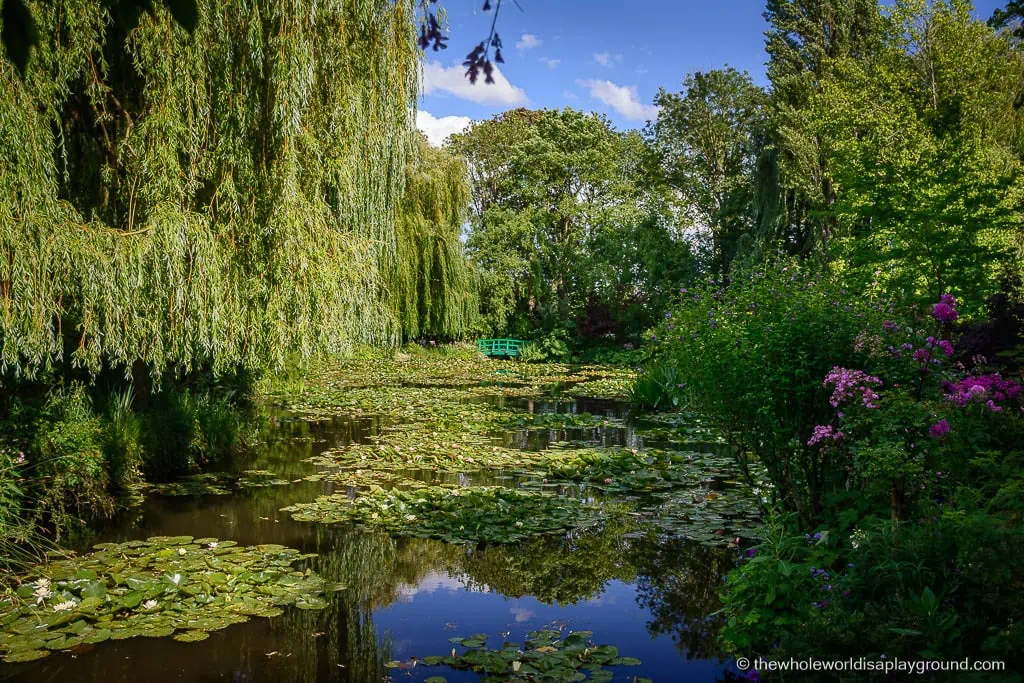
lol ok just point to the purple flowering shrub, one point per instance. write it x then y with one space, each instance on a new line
750 355
905 418
916 553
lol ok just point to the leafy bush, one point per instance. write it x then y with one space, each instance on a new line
122 440
657 388
70 470
183 431
751 355
627 355
531 353
915 555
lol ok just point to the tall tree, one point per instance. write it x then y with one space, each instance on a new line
433 287
923 140
803 38
705 139
547 187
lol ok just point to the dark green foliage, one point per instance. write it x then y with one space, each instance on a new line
183 431
69 469
1011 16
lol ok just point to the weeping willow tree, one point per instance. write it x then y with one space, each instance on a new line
433 285
212 200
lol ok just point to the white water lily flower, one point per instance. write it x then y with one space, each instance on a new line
176 579
182 551
213 544
150 604
64 606
410 518
519 523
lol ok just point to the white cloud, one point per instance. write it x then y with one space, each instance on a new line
551 63
569 95
603 58
437 129
528 42
641 70
438 79
622 98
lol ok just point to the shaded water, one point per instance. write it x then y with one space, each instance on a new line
649 595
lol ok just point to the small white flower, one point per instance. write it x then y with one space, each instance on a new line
64 606
519 523
213 544
149 604
181 551
176 579
410 518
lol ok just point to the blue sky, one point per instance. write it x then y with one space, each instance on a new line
595 55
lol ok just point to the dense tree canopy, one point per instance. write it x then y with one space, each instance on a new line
558 201
707 141
213 199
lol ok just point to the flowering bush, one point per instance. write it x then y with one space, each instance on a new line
750 355
916 554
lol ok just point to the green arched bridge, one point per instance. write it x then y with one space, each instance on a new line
507 348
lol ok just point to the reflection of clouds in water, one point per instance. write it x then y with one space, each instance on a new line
432 582
601 600
522 614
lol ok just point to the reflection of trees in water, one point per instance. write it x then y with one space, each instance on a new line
679 583
553 570
338 643
374 567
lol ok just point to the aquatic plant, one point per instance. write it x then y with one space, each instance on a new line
455 515
545 656
159 587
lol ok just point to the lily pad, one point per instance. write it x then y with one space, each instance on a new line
151 588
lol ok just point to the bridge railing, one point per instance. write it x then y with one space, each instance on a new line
508 348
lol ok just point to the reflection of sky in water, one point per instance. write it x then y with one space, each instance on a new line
440 607
424 592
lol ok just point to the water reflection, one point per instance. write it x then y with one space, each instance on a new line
652 597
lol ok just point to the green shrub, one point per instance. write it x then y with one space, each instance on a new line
122 440
183 432
657 388
531 353
752 354
70 471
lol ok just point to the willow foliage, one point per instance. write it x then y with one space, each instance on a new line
212 200
434 288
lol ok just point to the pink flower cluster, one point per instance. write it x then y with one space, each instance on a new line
939 429
849 383
991 389
823 433
945 310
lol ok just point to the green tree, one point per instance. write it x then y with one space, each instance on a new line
795 185
923 141
705 139
434 287
548 187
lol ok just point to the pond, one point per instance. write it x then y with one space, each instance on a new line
640 566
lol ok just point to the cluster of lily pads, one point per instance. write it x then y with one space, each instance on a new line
217 483
545 656
159 587
452 514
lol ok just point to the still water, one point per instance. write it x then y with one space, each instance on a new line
653 596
